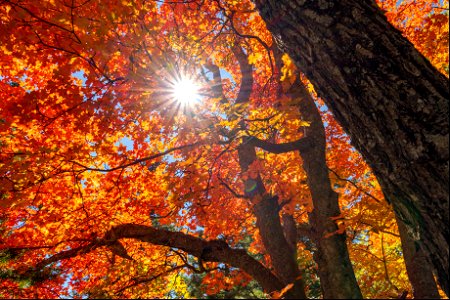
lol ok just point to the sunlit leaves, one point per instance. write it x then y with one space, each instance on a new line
88 137
425 24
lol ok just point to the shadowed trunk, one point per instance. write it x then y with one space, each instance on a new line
390 100
420 272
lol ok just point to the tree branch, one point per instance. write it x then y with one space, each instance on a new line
252 37
137 161
355 185
300 144
245 88
304 230
211 251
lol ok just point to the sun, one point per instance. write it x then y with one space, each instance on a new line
185 91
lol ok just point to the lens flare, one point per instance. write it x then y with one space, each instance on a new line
186 91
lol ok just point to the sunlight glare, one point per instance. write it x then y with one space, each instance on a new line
185 91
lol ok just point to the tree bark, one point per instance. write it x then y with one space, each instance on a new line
335 269
266 208
213 251
420 272
390 100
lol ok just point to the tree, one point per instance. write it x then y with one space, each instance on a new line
388 97
418 267
112 185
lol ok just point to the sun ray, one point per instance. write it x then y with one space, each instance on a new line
185 91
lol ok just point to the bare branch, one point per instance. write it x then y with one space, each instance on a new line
249 36
355 185
137 161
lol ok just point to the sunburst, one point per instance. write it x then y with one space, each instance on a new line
185 91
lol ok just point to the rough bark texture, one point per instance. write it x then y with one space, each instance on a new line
420 272
266 209
386 95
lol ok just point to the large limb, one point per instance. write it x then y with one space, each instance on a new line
303 143
208 251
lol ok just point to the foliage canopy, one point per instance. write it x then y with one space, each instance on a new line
111 187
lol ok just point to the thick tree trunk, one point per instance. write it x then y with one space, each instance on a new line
391 101
418 267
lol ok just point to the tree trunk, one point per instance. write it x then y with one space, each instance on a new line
391 101
266 208
335 269
418 267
